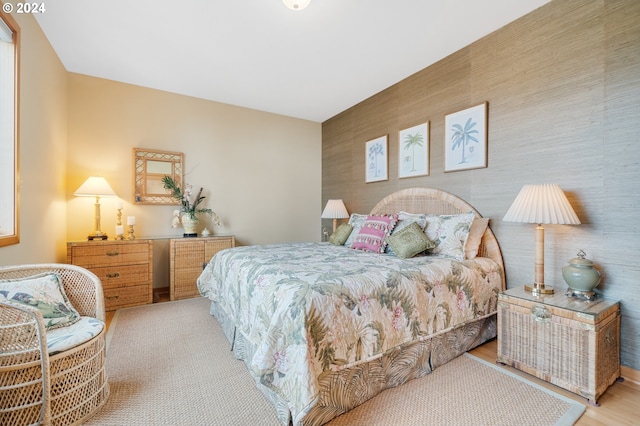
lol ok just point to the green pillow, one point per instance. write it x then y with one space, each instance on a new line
45 293
409 241
339 237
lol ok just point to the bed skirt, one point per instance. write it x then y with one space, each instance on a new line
343 390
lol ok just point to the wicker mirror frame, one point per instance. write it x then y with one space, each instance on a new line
149 167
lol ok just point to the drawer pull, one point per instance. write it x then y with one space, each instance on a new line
113 253
113 297
540 313
114 275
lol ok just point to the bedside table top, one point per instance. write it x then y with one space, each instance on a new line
559 300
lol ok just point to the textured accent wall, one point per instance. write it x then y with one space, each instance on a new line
563 87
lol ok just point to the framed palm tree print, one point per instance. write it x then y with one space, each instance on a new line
466 139
413 155
376 160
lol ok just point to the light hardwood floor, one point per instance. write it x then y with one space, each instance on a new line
619 406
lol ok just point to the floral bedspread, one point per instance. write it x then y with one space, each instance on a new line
312 307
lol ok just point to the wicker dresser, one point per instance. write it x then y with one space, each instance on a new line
572 343
124 267
188 257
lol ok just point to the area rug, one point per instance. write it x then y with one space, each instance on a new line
169 364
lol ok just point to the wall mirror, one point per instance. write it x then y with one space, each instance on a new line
149 167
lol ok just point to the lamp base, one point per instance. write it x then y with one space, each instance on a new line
97 237
538 289
190 235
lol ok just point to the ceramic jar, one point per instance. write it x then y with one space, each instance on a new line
190 225
580 273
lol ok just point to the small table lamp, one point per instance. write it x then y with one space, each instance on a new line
335 210
541 204
95 187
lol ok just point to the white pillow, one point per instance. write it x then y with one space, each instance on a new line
449 233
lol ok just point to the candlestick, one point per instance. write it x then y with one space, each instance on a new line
119 232
119 217
131 236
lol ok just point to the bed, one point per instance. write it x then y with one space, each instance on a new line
323 328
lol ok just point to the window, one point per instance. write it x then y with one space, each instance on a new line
9 218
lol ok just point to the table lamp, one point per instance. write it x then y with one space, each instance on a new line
541 204
95 187
335 210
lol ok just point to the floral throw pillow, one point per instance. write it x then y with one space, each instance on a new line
45 293
372 236
449 233
356 221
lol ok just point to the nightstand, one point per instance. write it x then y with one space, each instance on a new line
124 267
187 259
569 342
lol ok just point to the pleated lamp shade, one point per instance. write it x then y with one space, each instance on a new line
335 210
540 204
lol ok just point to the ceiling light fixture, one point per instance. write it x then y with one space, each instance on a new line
296 4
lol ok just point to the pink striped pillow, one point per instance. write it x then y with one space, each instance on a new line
375 229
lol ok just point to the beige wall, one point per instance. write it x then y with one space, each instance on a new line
260 172
563 89
43 139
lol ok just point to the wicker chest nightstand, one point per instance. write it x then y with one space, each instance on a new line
572 343
188 257
124 267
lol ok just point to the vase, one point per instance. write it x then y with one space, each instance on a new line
580 274
190 225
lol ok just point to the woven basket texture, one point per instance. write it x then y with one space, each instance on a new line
435 201
61 389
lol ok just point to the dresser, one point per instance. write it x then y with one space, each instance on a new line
124 267
570 342
188 257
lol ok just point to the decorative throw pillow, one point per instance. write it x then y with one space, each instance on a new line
409 241
374 232
449 233
356 221
478 226
339 237
405 219
45 293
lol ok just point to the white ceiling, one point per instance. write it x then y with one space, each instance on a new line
310 64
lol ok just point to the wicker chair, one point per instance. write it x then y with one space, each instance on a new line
60 389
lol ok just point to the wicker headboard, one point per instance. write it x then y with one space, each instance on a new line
435 201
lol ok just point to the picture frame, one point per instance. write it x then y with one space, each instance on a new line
376 159
413 151
465 144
